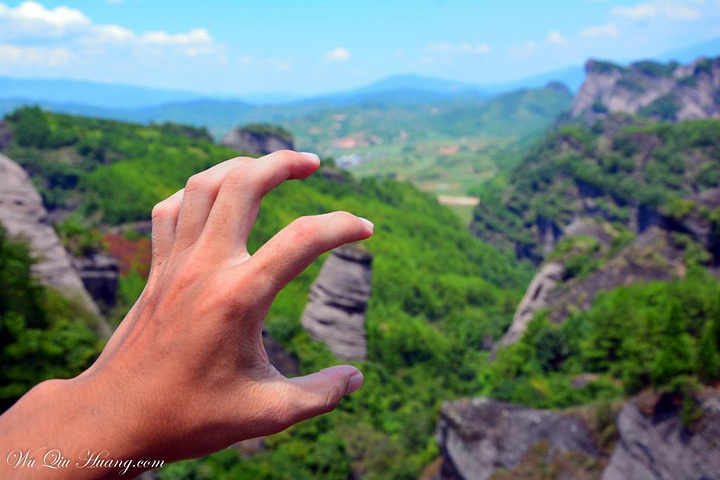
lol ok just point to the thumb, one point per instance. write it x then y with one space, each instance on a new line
322 391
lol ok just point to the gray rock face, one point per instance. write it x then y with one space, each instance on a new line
535 298
658 447
651 256
255 143
476 437
541 291
99 274
691 88
480 436
335 313
23 215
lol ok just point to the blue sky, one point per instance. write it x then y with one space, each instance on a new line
239 47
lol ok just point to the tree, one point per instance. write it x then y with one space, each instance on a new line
31 128
40 334
708 357
674 357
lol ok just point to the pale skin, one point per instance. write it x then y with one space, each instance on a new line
186 374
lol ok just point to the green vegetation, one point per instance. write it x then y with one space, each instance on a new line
631 84
703 66
446 146
115 170
605 68
268 129
654 69
664 108
605 167
644 335
438 293
42 334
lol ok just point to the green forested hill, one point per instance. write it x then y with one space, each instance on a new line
637 302
622 169
437 291
439 294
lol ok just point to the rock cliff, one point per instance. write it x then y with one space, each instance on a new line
335 312
478 437
536 297
655 445
661 91
483 438
99 274
23 215
258 139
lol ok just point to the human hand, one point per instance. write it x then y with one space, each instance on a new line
186 373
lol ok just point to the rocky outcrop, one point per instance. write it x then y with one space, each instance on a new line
701 222
99 274
258 139
652 256
535 298
483 438
655 445
661 91
480 436
23 215
540 294
335 312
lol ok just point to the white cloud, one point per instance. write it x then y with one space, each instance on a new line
42 56
338 54
657 9
272 62
465 48
110 34
72 30
599 31
196 36
31 19
523 50
556 38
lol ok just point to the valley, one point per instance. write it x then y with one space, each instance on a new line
562 317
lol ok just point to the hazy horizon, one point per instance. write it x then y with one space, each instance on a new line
234 50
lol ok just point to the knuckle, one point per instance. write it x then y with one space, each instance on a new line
305 229
345 217
237 176
333 397
161 211
284 153
197 182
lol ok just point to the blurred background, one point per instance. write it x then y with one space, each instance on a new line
541 298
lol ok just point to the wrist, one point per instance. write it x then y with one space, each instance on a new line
72 425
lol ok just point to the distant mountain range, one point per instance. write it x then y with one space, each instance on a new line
108 95
78 96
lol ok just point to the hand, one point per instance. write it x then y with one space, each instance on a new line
186 373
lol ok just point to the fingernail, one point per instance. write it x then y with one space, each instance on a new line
356 382
369 224
311 155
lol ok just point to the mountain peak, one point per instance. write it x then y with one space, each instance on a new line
660 91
